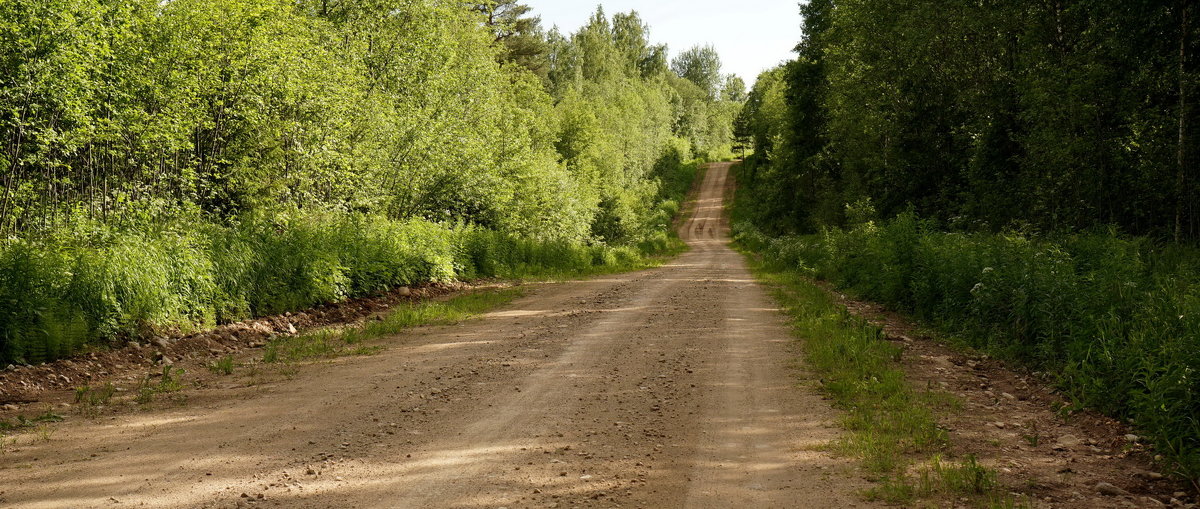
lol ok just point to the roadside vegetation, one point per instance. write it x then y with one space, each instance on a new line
893 426
1019 176
175 165
333 342
1112 321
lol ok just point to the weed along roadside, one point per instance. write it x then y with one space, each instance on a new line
932 419
166 371
267 348
622 389
892 426
933 423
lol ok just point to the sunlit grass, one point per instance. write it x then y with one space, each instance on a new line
1113 320
335 342
891 426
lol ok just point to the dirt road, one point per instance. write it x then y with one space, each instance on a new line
673 387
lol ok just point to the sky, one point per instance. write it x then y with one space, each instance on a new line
750 35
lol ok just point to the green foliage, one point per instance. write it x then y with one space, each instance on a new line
989 116
63 293
621 112
180 164
1027 135
700 65
34 324
891 425
168 382
966 480
222 366
150 112
97 396
487 254
333 343
1118 320
734 89
522 35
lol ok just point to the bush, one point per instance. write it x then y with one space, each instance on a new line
1117 319
63 292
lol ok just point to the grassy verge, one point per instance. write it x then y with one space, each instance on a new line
336 342
95 284
892 427
283 353
1115 320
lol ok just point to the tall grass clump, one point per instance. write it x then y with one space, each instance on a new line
1116 319
34 324
62 292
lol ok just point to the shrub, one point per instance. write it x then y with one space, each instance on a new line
1118 319
62 292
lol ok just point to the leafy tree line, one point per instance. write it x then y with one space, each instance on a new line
1020 175
986 115
142 110
176 164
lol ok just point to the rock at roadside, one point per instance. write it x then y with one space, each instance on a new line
1109 490
1066 442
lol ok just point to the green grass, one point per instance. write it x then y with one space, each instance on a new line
329 343
94 396
21 422
1115 319
891 426
169 382
223 366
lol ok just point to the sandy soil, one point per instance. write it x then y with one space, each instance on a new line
673 387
